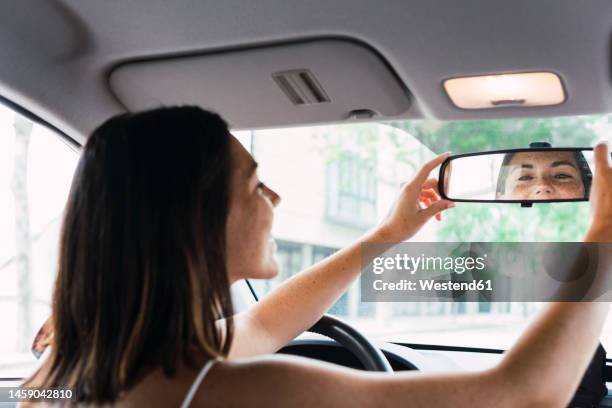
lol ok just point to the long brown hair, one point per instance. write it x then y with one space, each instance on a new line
142 275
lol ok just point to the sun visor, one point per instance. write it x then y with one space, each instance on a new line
319 81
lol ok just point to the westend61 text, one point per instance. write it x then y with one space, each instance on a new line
432 285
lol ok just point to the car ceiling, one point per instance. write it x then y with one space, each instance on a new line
57 55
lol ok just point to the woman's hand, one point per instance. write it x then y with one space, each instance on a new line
601 197
417 202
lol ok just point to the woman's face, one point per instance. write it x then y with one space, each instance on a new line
543 176
250 246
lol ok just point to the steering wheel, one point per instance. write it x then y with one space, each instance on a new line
369 355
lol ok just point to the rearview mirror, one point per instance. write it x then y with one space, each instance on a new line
525 176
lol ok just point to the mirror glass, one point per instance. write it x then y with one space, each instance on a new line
520 176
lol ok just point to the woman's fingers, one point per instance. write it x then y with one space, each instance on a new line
602 161
428 197
422 175
417 202
601 197
436 208
425 203
428 202
431 194
431 183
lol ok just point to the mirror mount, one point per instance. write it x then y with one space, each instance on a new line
540 144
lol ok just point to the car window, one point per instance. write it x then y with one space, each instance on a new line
338 181
36 168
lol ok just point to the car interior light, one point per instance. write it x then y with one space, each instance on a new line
506 90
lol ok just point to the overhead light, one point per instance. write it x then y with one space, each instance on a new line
503 90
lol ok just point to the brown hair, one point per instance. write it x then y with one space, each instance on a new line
142 274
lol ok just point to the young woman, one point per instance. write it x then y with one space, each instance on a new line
166 211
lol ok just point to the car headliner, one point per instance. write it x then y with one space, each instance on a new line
57 55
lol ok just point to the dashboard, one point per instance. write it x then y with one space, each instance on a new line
401 356
427 358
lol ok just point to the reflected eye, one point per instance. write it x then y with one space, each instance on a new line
562 176
525 178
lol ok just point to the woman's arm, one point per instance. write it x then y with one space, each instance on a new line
543 368
299 302
556 349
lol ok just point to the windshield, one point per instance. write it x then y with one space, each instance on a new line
338 181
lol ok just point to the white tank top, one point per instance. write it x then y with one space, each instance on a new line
196 383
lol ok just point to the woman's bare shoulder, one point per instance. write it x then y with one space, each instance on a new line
264 380
279 380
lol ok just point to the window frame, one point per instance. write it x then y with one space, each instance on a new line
70 141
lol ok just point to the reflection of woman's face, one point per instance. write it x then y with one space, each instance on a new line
543 176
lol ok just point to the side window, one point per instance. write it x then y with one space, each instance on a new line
36 168
290 257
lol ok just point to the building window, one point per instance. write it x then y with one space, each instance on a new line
290 257
351 192
341 307
319 253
